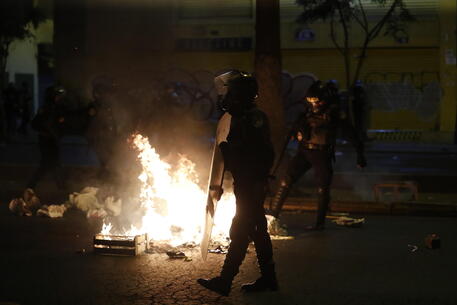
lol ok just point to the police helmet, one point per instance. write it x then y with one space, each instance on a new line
235 88
317 90
319 96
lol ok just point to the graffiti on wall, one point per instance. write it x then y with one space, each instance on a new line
194 94
420 92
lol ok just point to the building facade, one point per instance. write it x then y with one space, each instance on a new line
410 80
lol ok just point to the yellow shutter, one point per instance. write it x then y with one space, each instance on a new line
418 8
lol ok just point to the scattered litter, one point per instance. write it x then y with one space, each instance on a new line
176 255
25 206
432 241
349 222
278 237
87 201
96 213
219 250
413 248
52 211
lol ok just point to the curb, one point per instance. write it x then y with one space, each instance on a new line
372 207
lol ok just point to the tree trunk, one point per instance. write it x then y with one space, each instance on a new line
268 67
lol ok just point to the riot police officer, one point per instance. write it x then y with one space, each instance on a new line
48 122
102 132
248 154
316 131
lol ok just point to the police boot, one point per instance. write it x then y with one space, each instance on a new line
279 199
323 200
266 282
217 284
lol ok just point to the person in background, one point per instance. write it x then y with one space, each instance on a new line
11 102
316 130
25 100
48 122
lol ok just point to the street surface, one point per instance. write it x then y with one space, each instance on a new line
49 261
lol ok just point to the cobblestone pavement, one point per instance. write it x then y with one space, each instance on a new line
42 262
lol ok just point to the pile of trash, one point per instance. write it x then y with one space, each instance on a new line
27 205
86 200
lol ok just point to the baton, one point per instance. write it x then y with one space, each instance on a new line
281 155
272 176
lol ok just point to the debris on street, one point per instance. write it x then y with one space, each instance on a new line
413 248
219 250
52 211
25 206
349 221
120 245
87 201
176 255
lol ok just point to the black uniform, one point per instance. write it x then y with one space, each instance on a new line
248 154
316 130
103 135
48 123
359 106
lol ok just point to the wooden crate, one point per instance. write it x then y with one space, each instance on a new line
120 245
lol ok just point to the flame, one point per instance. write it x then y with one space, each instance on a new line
173 201
106 229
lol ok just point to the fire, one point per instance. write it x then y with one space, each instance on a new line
173 201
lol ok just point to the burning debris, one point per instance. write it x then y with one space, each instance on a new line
172 205
172 201
120 245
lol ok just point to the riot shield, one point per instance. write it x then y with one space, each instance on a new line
216 178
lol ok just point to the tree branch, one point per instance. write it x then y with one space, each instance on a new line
346 54
378 27
333 36
362 9
360 22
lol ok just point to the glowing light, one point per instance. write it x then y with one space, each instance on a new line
173 201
